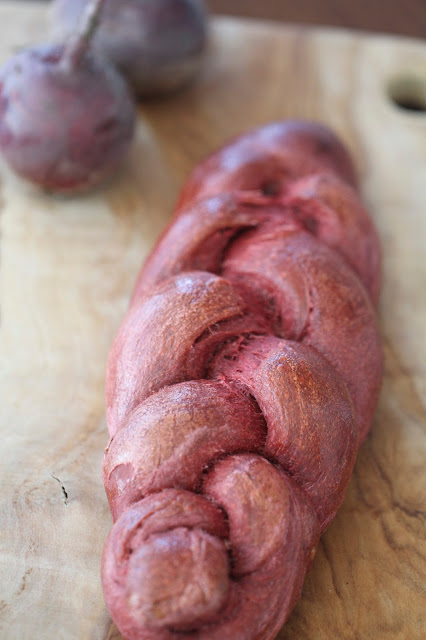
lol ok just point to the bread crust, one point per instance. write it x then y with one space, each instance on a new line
239 388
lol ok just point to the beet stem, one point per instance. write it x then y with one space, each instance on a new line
80 40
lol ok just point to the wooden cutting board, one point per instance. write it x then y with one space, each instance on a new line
67 268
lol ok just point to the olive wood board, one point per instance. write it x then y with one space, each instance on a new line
67 270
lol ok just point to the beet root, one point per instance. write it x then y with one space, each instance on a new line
64 128
157 45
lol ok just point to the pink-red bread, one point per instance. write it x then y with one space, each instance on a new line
240 386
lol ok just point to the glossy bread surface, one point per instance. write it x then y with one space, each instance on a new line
239 387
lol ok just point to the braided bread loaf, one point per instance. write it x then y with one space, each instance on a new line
240 385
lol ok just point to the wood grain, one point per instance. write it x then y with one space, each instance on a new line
67 268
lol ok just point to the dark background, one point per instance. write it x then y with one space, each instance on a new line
403 17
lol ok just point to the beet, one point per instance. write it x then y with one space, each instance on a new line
66 115
157 45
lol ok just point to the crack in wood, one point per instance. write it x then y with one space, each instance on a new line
64 492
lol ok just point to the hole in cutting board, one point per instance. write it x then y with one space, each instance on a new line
408 93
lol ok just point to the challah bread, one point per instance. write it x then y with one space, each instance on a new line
239 387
